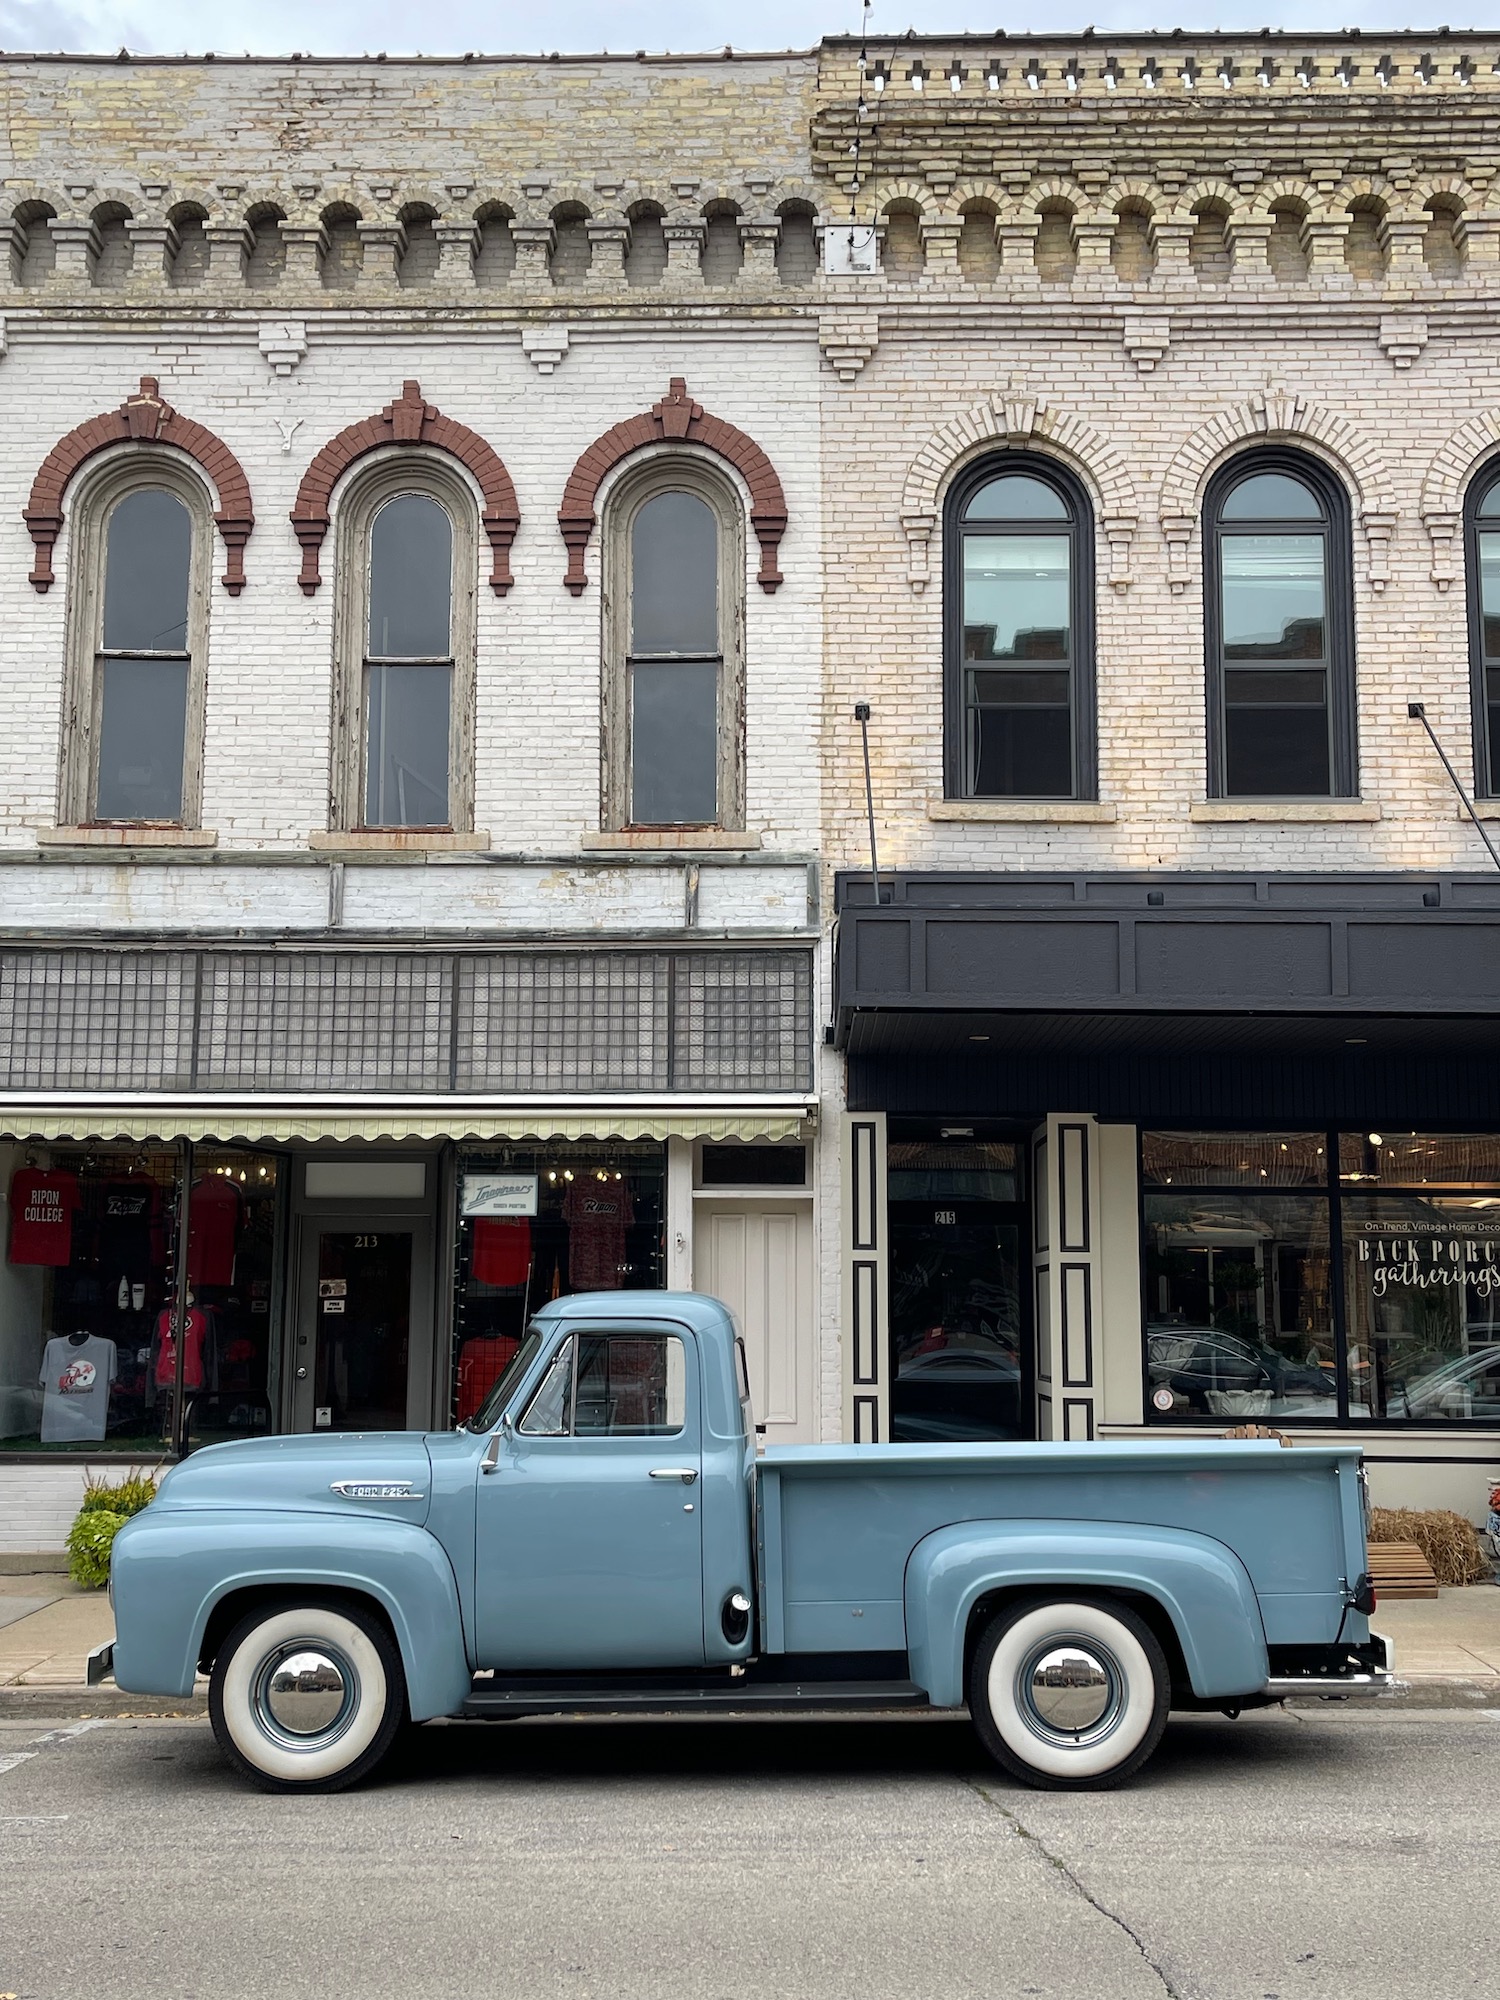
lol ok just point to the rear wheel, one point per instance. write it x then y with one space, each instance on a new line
307 1697
1069 1693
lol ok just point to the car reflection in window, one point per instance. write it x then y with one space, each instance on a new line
1219 1374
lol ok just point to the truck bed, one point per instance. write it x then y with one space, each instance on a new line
836 1523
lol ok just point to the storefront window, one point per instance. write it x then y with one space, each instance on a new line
958 1288
88 1290
537 1223
1243 1319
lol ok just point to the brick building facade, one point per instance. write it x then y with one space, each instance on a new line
1108 947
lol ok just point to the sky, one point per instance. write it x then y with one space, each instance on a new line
497 27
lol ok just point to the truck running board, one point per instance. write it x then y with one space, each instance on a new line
494 1699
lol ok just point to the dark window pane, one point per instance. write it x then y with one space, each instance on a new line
1234 1159
1018 689
1489 590
1276 752
674 743
1276 690
674 576
411 586
1239 1316
1016 597
1016 498
142 734
406 750
1271 496
148 549
1422 1286
1422 1159
1020 753
1489 506
1273 597
1492 712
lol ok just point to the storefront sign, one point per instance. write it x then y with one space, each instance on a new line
1417 1261
499 1194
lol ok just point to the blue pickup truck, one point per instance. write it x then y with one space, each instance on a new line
603 1537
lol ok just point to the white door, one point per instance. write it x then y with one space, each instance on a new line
758 1258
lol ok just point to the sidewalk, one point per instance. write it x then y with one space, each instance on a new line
48 1626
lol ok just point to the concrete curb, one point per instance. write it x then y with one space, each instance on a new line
18 1704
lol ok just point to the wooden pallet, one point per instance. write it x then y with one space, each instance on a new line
1400 1569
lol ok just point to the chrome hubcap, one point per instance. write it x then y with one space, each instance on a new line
1071 1691
305 1694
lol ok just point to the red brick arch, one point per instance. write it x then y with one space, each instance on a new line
142 419
409 420
676 416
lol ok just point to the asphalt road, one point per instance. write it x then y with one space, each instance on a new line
1322 1856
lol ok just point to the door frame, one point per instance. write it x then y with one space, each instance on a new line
344 1214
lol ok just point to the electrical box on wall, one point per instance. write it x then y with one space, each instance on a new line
850 250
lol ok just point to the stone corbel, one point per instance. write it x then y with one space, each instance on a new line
544 346
1119 532
919 529
384 247
848 340
1179 530
155 247
1378 529
283 342
1147 337
1442 532
1403 336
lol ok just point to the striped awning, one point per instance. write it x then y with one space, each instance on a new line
284 1120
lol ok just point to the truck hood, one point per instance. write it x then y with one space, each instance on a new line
378 1469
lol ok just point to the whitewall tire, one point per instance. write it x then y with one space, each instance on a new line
1069 1692
307 1697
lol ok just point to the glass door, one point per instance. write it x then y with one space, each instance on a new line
352 1369
959 1288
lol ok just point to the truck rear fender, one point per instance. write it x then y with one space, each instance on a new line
1199 1584
182 1580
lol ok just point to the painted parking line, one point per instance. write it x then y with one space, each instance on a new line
49 1740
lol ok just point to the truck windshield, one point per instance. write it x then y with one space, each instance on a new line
484 1417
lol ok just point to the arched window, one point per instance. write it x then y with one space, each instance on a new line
138 615
673 695
1482 528
403 747
1018 570
1279 629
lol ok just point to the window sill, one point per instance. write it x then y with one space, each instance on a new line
1024 812
1486 809
126 836
398 840
1284 812
670 840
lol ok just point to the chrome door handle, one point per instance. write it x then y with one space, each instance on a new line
686 1473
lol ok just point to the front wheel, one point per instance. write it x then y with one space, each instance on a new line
307 1697
1069 1694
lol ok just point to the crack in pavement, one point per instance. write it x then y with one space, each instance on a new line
1079 1887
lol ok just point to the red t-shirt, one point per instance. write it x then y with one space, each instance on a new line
480 1363
193 1334
597 1214
502 1250
42 1203
214 1217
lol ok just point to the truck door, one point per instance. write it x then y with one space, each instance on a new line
588 1543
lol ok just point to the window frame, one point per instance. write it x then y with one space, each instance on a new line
1338 581
117 475
1485 481
381 478
671 471
1080 528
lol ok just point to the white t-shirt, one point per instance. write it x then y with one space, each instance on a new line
75 1377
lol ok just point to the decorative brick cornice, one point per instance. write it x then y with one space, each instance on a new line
407 421
676 418
141 419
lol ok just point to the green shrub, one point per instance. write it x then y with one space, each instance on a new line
107 1506
90 1540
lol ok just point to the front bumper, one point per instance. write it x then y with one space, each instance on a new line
101 1664
1336 1673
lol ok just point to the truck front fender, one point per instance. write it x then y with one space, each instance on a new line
1199 1583
169 1572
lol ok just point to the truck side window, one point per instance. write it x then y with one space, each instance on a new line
630 1385
547 1412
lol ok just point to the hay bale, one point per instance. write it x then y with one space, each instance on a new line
1450 1543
